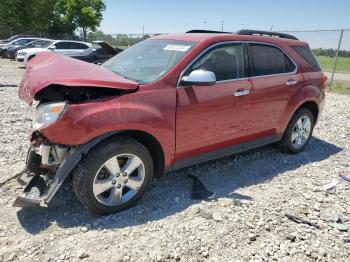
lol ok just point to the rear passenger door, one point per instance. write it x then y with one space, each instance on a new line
275 81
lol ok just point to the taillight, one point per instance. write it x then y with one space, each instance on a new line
324 81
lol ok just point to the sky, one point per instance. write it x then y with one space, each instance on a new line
156 16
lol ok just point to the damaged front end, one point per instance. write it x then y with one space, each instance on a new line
47 167
57 83
43 161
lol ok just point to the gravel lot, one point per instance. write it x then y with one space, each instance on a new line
245 222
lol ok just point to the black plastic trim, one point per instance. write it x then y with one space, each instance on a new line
226 151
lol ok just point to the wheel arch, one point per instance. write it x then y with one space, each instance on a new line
312 106
152 145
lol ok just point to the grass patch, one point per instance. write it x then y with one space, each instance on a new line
122 46
343 64
340 88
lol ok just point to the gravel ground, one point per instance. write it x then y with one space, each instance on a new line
245 222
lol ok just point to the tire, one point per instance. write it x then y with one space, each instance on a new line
4 53
98 171
289 143
30 58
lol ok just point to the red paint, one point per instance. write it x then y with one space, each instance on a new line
186 121
48 68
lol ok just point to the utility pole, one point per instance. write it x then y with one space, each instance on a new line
143 31
222 25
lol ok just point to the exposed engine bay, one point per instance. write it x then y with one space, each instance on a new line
54 93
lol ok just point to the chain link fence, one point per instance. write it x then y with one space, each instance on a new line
331 47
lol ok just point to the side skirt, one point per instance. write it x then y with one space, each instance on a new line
225 152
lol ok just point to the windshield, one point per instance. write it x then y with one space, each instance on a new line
149 60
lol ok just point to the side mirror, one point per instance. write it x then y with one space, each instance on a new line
52 47
199 77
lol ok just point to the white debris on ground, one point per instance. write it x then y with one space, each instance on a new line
245 222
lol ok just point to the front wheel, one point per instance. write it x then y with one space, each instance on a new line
113 176
298 132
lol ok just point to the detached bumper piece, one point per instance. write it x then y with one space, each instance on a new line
36 190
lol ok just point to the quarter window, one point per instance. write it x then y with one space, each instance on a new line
269 60
226 62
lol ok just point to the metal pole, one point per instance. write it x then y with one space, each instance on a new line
222 25
336 58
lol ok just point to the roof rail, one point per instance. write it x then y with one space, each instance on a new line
207 31
265 33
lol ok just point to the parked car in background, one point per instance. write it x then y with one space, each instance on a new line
98 53
42 43
64 47
163 104
15 43
4 41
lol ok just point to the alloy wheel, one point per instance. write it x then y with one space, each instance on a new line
301 132
118 179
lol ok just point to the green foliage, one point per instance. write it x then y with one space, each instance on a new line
84 14
327 63
51 16
330 52
340 88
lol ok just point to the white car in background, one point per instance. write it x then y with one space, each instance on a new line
17 42
64 47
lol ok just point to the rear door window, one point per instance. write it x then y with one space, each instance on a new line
269 60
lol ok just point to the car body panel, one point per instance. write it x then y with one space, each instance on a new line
155 106
48 68
148 110
220 117
268 101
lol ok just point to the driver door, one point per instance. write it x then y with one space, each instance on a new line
213 117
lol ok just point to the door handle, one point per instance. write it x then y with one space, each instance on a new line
291 82
241 93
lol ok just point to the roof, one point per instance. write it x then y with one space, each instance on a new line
219 37
74 41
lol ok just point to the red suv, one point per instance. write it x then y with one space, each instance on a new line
163 104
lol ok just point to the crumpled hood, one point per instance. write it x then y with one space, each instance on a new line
48 68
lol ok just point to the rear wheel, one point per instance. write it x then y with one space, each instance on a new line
298 132
113 176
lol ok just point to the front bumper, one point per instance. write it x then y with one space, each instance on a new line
44 183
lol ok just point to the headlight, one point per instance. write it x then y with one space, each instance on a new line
21 54
48 113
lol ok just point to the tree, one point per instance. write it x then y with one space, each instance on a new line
84 14
31 16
